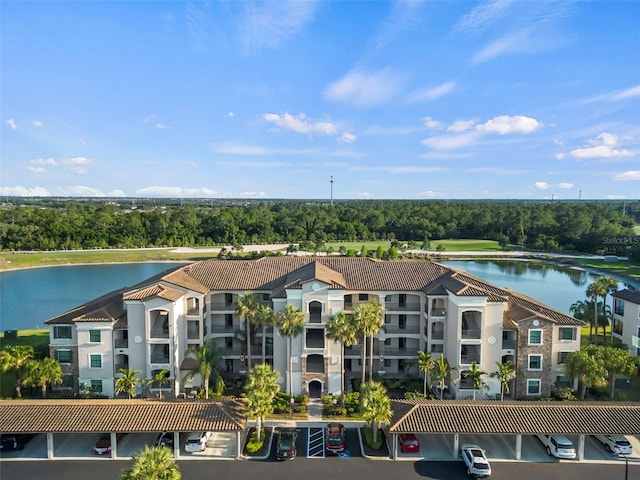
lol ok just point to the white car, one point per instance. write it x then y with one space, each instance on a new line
475 460
197 441
558 445
616 444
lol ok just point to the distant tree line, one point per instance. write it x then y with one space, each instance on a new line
54 224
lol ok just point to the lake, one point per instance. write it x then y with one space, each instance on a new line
29 297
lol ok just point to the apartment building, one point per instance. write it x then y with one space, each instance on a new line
426 306
626 318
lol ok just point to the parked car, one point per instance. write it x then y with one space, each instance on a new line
475 460
165 439
558 445
11 442
103 444
197 441
335 439
616 444
287 438
408 443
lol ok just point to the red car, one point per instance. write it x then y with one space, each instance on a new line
408 443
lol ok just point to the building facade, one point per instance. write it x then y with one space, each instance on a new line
626 318
426 306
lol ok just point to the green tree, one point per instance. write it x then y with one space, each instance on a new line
264 317
475 374
14 359
342 328
290 322
583 310
598 288
40 373
440 372
152 463
159 379
368 318
247 306
425 363
261 388
375 406
208 357
588 366
611 285
504 374
617 362
128 382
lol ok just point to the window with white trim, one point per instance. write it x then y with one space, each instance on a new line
562 357
96 386
94 336
64 356
534 387
535 362
62 332
535 336
95 360
567 333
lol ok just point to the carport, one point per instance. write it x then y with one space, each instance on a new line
123 416
518 418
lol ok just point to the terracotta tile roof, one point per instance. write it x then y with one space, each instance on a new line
189 363
315 271
76 416
528 418
157 290
518 300
630 295
105 308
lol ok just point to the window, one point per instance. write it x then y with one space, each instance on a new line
64 356
437 348
387 341
618 306
228 298
67 380
363 297
266 297
228 319
94 336
618 326
62 332
387 363
95 360
535 362
535 337
533 387
96 386
567 333
387 319
562 357
563 381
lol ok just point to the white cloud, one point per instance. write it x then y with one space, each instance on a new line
80 191
430 194
347 137
230 114
565 185
258 150
451 142
431 124
483 15
300 124
252 195
560 156
629 175
12 124
20 191
177 192
602 147
505 124
628 93
512 43
542 185
116 193
431 93
365 89
33 169
37 123
160 125
461 125
78 165
43 161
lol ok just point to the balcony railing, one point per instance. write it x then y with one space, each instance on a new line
158 331
193 311
407 329
508 344
471 333
414 307
121 342
223 306
469 359
437 335
401 352
118 366
223 329
438 312
159 358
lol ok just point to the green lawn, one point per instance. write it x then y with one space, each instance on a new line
449 245
620 267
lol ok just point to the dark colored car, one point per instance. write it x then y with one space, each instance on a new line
165 439
287 439
335 439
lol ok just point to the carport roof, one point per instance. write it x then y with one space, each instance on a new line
493 417
78 416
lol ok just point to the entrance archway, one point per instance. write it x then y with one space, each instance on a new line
315 389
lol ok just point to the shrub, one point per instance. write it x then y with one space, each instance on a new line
253 445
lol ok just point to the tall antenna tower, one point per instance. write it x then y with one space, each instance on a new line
331 181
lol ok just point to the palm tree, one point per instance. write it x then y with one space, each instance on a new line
152 463
440 372
505 374
375 406
42 372
368 317
208 357
261 390
595 290
425 362
128 382
291 324
611 285
475 374
247 306
617 362
14 358
342 328
583 310
159 379
265 318
588 366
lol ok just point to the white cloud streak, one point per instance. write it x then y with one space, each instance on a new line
629 175
365 89
604 146
431 93
300 124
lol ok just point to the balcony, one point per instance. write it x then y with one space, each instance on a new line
509 344
160 354
217 306
438 312
469 354
121 343
193 330
401 352
193 312
223 329
405 330
471 333
402 306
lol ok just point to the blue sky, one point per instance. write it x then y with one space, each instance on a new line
407 100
